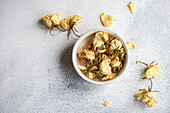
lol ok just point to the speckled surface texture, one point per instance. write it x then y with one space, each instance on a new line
36 71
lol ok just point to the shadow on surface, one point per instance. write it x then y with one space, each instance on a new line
70 76
41 25
143 73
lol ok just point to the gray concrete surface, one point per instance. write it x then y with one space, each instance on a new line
36 72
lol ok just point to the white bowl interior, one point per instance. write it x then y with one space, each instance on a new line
83 42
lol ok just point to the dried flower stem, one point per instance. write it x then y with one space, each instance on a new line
142 63
51 31
151 83
64 30
152 63
69 33
75 29
75 33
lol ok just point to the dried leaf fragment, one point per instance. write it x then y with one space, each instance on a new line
107 20
131 45
108 103
131 4
153 71
148 97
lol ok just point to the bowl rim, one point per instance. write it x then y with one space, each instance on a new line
74 53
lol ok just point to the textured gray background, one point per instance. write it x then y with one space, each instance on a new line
36 72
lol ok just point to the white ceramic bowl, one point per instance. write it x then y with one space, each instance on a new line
82 43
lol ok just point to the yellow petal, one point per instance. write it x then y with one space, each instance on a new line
55 18
153 71
47 20
116 44
104 67
115 62
82 55
109 76
93 68
86 54
90 55
82 67
90 74
76 20
101 51
108 103
105 57
139 96
65 23
102 35
149 99
98 40
107 20
131 45
51 19
131 4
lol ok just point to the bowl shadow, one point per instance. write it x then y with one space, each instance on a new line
70 76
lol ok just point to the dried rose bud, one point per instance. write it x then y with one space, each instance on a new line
51 19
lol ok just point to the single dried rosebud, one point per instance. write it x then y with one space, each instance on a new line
66 22
153 71
51 19
76 20
148 97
